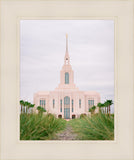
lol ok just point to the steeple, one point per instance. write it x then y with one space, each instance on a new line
66 73
67 58
66 43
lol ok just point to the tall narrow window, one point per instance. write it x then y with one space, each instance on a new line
42 103
90 103
67 107
61 105
53 103
66 78
93 102
72 105
79 103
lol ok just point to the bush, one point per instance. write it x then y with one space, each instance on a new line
83 115
39 127
98 127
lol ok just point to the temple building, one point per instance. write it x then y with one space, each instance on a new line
67 101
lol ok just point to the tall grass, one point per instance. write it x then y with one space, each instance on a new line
39 127
97 127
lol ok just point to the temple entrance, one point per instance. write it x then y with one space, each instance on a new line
59 116
66 107
73 116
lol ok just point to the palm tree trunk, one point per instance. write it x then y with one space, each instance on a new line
21 108
105 110
109 110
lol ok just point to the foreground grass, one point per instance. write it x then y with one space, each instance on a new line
98 127
39 127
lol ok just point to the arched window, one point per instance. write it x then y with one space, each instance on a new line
67 107
73 116
66 78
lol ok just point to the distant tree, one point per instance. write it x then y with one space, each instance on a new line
92 109
100 106
31 106
27 104
109 103
41 110
103 107
22 104
106 106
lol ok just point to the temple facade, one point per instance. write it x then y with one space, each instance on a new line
67 101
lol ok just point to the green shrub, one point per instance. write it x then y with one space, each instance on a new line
98 127
83 115
39 127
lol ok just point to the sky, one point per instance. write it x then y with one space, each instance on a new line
42 51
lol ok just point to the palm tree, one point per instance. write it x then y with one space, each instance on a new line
92 109
99 105
40 110
106 106
31 106
27 105
109 102
103 106
22 104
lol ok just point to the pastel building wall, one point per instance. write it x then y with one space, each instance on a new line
67 101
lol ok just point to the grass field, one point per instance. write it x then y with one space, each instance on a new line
39 127
98 127
44 127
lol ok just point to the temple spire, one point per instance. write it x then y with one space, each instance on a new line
66 43
67 58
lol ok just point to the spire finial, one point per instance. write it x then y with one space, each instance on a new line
66 42
67 59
